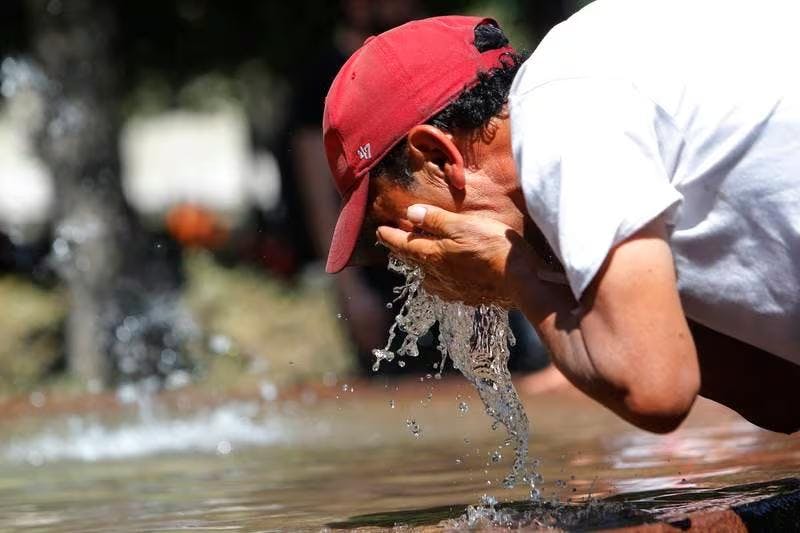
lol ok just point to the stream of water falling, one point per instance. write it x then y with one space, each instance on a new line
477 340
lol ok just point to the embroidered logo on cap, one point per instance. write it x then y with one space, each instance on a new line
364 152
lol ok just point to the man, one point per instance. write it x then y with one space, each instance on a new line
650 146
313 207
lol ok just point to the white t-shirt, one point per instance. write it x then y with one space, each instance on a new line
691 109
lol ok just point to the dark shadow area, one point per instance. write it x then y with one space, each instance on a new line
765 506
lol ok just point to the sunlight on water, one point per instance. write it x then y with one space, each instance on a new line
476 339
216 431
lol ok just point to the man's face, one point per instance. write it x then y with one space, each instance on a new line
389 201
387 206
491 190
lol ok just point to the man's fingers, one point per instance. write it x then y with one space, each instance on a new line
395 238
405 243
433 220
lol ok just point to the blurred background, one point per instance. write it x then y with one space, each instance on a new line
165 206
165 211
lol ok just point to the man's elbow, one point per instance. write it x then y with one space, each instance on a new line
662 407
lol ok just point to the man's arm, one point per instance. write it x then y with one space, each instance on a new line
758 385
627 343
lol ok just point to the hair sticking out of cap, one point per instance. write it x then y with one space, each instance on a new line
489 36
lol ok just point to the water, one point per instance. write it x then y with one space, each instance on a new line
90 440
296 464
126 321
476 339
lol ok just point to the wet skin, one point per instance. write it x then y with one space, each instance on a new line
627 343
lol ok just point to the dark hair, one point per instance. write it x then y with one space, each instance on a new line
471 110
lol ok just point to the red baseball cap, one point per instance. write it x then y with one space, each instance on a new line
395 81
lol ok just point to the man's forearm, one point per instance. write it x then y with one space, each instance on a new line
558 318
554 312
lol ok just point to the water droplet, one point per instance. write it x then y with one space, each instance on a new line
389 305
339 316
495 456
489 500
413 427
37 399
463 407
127 393
401 363
61 249
169 357
224 447
123 334
220 344
391 404
176 380
268 391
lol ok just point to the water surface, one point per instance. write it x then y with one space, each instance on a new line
349 460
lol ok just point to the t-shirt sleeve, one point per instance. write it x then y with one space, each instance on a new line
589 161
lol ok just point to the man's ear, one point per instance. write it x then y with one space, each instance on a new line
433 149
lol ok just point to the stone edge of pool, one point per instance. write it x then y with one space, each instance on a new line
777 512
780 512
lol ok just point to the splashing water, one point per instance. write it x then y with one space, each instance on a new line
219 430
413 427
589 515
477 340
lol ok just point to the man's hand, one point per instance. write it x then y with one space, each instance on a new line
626 343
464 257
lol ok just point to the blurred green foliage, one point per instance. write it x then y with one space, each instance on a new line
286 334
30 329
250 329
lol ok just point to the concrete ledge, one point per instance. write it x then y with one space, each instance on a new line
773 513
770 506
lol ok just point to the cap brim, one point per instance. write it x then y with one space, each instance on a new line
348 227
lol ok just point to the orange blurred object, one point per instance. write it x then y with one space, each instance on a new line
195 226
